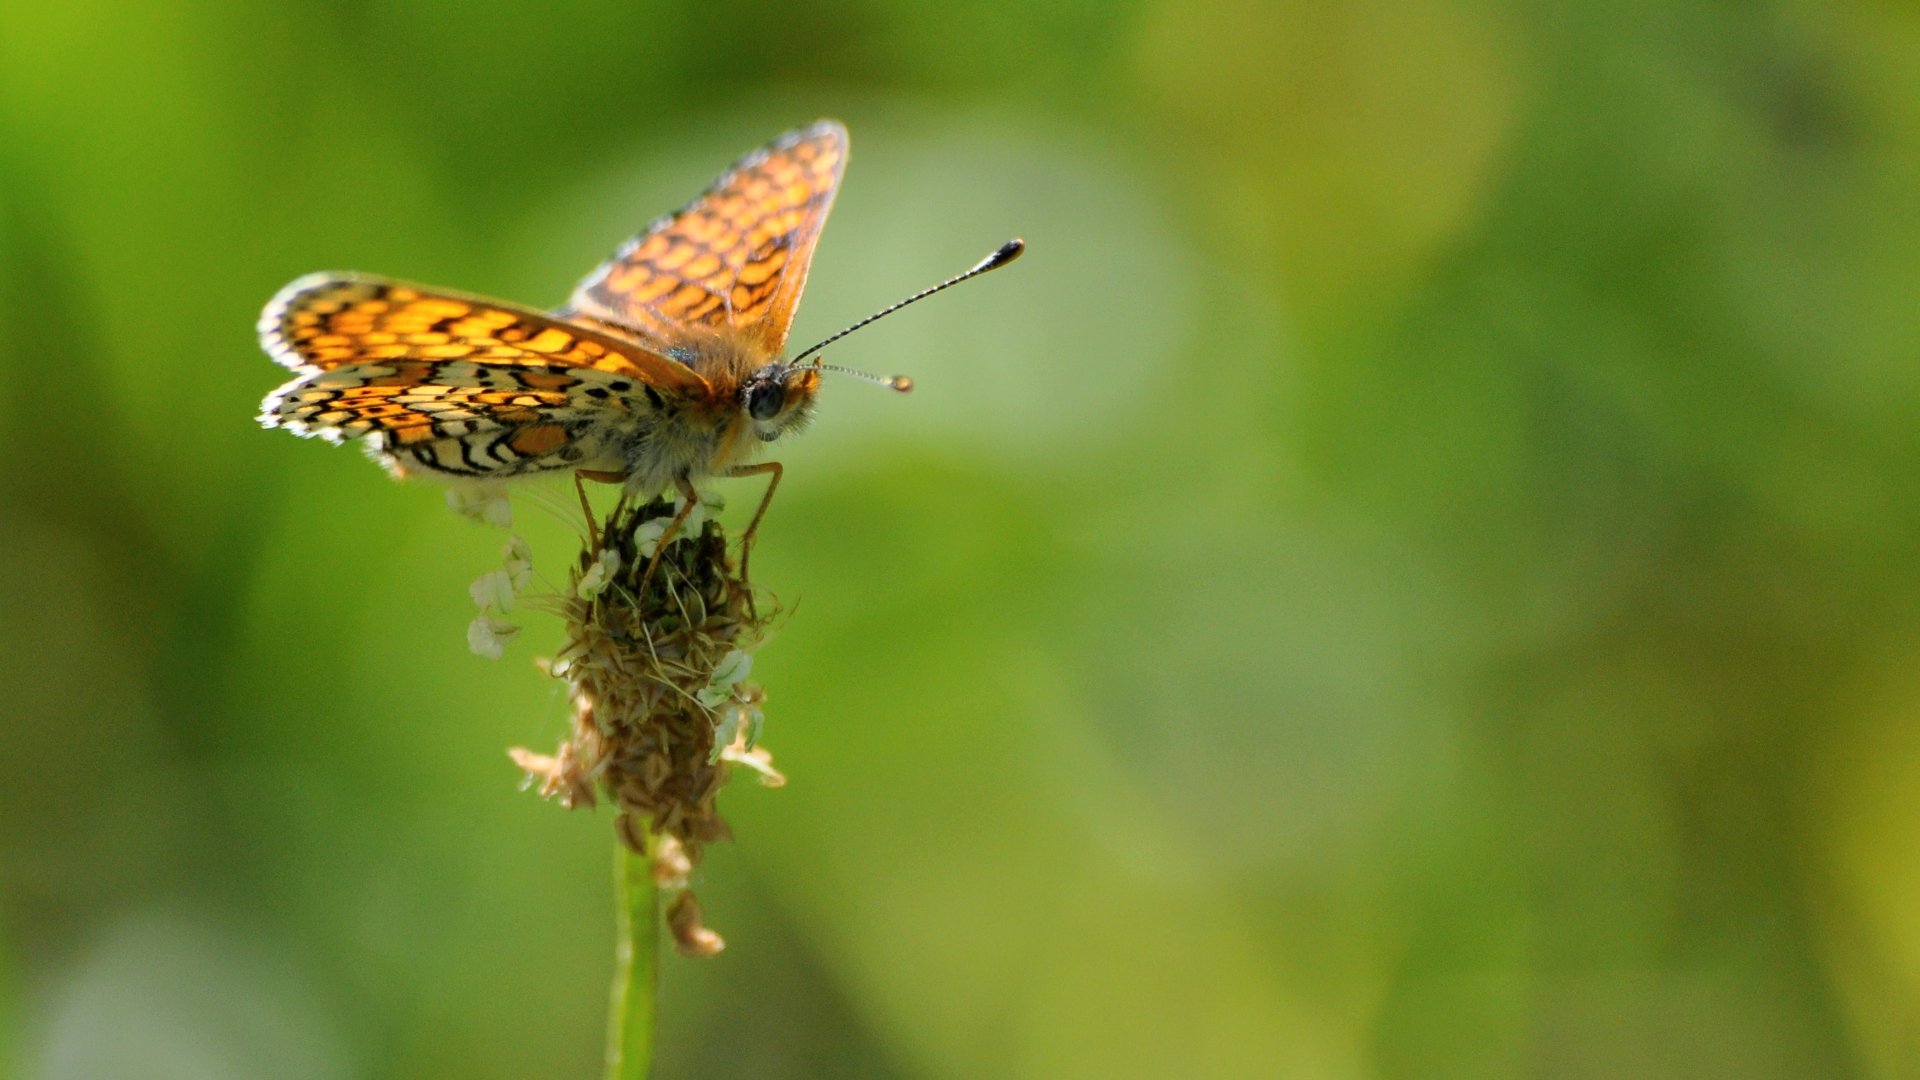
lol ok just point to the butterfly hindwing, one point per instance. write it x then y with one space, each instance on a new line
465 418
733 260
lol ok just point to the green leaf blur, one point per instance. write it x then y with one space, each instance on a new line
1413 574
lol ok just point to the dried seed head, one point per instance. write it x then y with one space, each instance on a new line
656 659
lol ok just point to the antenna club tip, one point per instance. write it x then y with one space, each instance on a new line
1008 252
901 383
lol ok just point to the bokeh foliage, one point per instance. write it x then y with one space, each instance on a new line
1413 575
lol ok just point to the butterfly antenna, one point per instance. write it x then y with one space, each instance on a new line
891 382
1006 253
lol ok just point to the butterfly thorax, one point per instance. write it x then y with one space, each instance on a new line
749 400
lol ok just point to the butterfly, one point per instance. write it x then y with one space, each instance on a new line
662 370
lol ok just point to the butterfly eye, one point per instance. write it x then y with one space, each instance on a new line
765 399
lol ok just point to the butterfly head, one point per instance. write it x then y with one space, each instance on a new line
778 398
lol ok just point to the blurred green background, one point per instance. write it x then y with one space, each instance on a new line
1413 575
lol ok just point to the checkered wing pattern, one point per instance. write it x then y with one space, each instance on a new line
734 260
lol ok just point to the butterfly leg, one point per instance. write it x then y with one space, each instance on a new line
580 476
586 512
690 499
766 500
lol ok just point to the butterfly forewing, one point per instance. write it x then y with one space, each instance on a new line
733 260
331 320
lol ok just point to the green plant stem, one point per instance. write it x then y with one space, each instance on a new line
636 952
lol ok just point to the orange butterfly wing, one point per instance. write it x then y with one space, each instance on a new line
325 321
733 260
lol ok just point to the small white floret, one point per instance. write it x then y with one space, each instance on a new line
724 732
489 634
492 591
599 575
486 505
518 559
727 674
